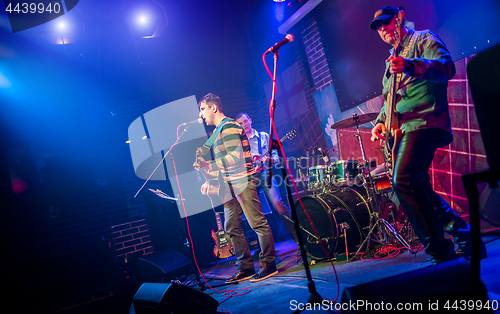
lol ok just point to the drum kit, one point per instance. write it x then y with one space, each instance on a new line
350 205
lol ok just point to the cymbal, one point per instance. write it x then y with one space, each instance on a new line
355 120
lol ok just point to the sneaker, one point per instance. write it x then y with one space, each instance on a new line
267 271
242 275
464 249
440 258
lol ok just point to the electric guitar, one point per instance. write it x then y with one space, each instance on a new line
257 159
223 247
393 133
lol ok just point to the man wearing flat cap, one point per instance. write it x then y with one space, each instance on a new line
420 66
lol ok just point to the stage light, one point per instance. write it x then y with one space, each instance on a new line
279 0
142 19
144 137
63 30
147 18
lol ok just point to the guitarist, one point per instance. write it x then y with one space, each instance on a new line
233 159
259 144
420 108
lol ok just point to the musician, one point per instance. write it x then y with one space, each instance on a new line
259 144
424 119
234 161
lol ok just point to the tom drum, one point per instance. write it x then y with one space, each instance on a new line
318 177
344 172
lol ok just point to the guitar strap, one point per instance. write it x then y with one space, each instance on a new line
211 140
403 55
259 141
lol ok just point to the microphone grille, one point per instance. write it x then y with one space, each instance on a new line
200 120
290 37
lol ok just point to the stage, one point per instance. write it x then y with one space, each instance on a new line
288 291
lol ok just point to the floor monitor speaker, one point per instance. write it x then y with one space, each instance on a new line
155 298
160 267
446 287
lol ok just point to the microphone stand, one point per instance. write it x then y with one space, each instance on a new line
314 296
186 127
188 244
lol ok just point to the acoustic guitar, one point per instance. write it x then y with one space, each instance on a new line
212 177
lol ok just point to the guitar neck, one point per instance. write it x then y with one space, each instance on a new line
390 119
288 136
391 106
219 222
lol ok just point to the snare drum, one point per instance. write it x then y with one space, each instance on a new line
318 177
382 183
344 172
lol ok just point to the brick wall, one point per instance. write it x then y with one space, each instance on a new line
466 154
317 65
316 57
131 237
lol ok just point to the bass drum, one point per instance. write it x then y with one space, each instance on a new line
340 216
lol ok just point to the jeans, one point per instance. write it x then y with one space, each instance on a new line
245 200
273 196
429 214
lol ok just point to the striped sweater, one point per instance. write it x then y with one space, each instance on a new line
232 154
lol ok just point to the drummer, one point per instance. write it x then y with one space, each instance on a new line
259 144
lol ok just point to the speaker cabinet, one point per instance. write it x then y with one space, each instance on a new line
489 203
483 72
433 288
161 266
171 298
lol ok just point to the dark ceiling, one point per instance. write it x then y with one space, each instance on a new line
59 88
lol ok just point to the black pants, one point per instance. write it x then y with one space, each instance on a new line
429 214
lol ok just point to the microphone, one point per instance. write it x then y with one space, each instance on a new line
325 156
288 39
199 120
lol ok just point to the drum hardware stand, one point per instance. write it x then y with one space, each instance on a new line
344 227
371 195
375 206
389 227
297 162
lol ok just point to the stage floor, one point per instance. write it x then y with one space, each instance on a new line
288 292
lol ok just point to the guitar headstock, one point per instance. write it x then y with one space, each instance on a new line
400 22
200 152
289 135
